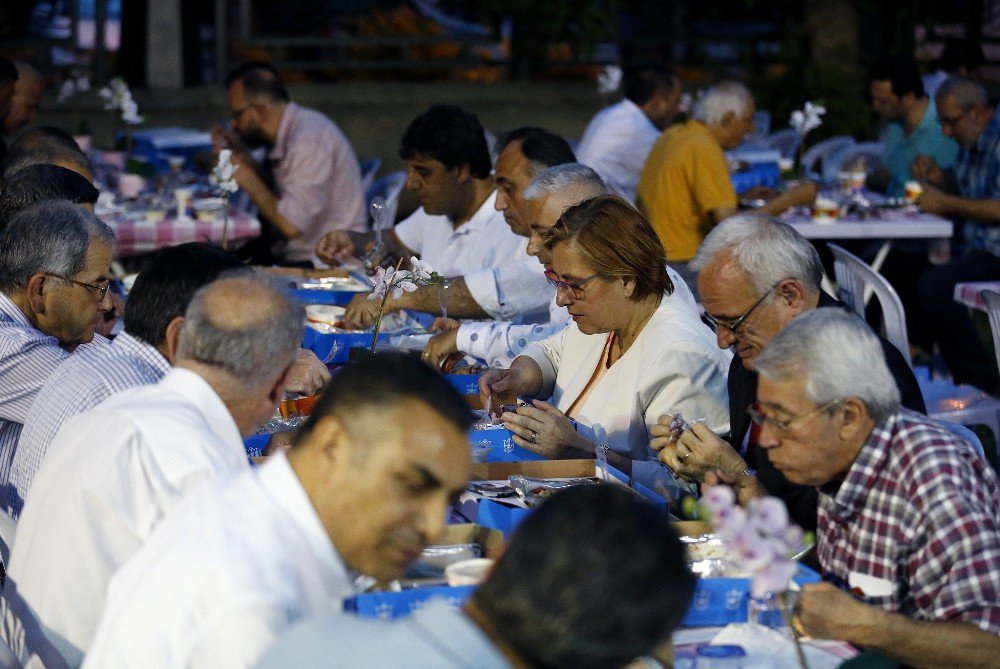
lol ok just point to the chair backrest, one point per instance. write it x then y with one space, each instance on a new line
870 151
821 151
369 168
963 432
993 309
23 635
388 187
785 141
853 276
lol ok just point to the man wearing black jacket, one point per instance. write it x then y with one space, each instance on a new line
755 274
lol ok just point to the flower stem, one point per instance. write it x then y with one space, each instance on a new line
381 307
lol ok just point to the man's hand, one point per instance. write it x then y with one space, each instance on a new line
440 324
924 168
360 312
694 452
745 486
308 374
826 612
933 201
335 247
440 347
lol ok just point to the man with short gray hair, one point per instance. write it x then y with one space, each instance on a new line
756 275
685 188
55 270
111 473
907 509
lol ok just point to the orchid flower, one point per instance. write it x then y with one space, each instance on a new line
222 173
116 95
610 80
804 120
395 282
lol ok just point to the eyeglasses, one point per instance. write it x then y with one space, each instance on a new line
778 425
734 326
97 289
575 289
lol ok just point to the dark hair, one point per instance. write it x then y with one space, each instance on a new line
164 288
8 71
450 135
261 82
617 241
542 148
902 74
596 577
639 85
388 379
37 183
42 144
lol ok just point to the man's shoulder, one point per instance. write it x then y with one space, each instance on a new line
311 123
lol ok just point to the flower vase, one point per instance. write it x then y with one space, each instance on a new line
771 609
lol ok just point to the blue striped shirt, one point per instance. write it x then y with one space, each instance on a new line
27 358
977 172
79 384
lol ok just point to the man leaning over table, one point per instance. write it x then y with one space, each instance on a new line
912 130
55 271
756 275
965 114
457 229
28 90
362 491
545 603
317 179
685 189
142 354
907 510
112 473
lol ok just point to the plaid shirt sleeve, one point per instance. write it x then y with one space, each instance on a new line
955 569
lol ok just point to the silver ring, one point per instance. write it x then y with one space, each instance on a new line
686 456
533 435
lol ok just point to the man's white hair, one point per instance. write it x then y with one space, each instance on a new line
561 177
724 97
765 249
838 355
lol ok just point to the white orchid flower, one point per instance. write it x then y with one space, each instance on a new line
610 80
421 269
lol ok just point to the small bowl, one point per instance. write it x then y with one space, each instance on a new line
468 572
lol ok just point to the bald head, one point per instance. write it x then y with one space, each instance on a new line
28 91
243 326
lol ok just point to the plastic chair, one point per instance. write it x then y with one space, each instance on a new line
821 152
963 404
369 168
786 141
388 187
870 151
962 432
993 309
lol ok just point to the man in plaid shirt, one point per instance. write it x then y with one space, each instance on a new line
907 510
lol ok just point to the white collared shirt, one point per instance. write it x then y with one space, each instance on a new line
483 242
516 291
106 482
616 143
228 571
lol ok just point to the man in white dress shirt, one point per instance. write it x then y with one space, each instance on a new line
457 229
545 603
112 473
619 138
363 490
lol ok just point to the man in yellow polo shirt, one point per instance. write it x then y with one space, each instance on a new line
685 188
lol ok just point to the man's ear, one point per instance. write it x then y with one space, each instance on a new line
171 339
855 414
328 436
463 173
36 292
794 295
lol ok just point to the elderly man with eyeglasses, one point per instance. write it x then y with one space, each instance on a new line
755 274
907 522
55 269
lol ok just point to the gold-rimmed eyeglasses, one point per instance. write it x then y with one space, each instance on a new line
735 325
99 290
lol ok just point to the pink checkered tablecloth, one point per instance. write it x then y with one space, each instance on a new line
971 294
135 234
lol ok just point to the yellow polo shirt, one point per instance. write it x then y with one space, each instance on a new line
684 178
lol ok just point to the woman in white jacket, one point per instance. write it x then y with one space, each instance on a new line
634 351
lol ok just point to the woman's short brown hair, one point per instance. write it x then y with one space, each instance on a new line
617 241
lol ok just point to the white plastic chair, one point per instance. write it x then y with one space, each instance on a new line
870 151
821 151
388 187
369 168
962 404
786 141
993 309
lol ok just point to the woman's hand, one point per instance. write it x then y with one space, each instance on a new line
544 429
505 385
